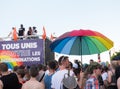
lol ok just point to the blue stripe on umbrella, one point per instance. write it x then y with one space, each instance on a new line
60 46
66 49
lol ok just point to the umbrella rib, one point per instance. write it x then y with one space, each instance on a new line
87 46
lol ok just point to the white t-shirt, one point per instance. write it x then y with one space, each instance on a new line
58 77
104 76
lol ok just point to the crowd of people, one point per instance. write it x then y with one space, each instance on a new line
31 32
89 76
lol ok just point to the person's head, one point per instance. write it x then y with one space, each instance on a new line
3 67
40 67
33 71
30 29
21 72
64 61
95 68
34 27
57 65
75 66
13 28
15 68
21 25
77 71
91 61
104 69
35 31
79 64
52 65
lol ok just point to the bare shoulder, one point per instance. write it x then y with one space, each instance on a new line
24 86
33 85
81 74
1 85
118 80
42 85
109 72
118 83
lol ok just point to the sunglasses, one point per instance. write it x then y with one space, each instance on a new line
64 58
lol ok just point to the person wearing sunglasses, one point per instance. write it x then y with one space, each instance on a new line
92 82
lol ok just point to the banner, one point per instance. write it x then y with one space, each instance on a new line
25 52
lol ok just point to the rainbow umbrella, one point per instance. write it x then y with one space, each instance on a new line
81 42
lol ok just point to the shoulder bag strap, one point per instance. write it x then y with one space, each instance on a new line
42 77
68 72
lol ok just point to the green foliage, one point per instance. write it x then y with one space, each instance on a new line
115 55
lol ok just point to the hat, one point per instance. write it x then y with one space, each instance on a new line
10 70
75 65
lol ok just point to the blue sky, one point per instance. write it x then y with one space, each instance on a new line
59 16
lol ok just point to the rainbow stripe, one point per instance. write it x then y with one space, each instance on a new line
9 58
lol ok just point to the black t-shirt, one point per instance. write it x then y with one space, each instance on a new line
10 81
21 32
100 80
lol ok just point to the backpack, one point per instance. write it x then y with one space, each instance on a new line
69 82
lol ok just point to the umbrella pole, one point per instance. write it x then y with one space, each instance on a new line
110 55
81 48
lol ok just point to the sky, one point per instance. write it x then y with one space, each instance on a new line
60 16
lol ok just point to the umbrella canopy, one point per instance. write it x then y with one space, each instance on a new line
81 42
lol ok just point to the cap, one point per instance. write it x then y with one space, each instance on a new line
75 65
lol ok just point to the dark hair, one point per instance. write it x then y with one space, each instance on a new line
34 27
78 63
33 71
93 66
21 72
91 60
15 68
3 67
105 69
40 66
52 64
77 71
21 25
61 59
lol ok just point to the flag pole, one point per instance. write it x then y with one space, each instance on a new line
44 39
99 59
44 51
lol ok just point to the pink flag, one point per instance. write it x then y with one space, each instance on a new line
44 33
14 34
